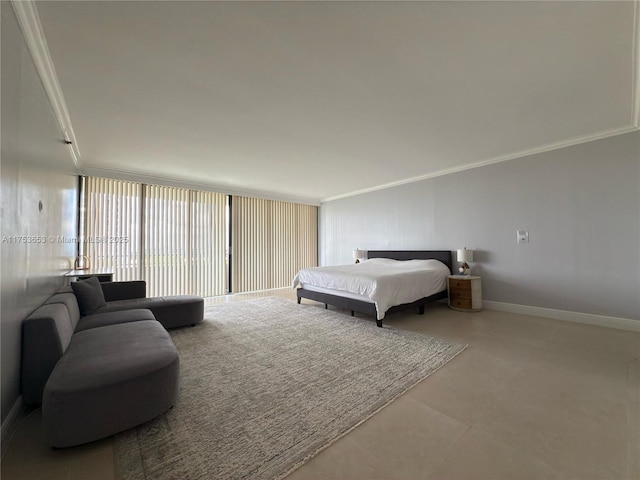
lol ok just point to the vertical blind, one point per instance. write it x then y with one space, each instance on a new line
176 238
208 245
271 241
111 240
173 238
166 240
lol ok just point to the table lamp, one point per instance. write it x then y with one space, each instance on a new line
465 256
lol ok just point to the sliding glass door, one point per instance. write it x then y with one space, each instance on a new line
271 241
177 239
111 214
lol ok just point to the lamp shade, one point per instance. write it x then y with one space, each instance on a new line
465 255
357 253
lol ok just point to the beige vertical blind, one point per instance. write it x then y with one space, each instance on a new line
166 240
271 241
250 244
173 238
208 243
112 226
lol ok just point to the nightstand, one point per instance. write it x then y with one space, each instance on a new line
465 293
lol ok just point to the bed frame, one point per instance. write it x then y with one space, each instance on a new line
367 308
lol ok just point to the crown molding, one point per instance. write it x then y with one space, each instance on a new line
636 66
29 22
184 182
634 126
524 153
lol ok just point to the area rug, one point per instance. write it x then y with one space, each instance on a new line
266 384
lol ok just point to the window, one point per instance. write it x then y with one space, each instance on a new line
176 238
271 241
111 217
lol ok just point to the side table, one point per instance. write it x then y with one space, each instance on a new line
465 292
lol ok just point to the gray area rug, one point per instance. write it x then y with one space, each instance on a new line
266 384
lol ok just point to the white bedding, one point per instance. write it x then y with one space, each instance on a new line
384 281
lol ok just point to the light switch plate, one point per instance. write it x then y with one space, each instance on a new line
522 236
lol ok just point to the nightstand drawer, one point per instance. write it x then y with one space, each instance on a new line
461 302
456 295
461 286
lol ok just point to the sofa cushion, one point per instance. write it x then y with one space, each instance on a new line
171 312
110 379
124 290
129 304
69 300
89 295
113 318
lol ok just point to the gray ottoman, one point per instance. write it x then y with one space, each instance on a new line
110 379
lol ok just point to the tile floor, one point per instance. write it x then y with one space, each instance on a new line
530 398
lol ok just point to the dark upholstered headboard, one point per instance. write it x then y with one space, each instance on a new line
443 255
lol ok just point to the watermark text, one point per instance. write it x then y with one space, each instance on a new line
61 239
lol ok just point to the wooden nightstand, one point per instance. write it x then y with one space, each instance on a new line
465 293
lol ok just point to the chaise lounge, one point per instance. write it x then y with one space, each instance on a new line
170 311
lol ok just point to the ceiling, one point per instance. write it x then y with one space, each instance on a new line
317 100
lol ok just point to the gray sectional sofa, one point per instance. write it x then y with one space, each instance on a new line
101 366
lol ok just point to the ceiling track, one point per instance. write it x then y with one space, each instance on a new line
29 21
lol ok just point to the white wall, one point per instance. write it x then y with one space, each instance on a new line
580 204
35 167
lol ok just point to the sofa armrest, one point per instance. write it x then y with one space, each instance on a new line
124 290
46 334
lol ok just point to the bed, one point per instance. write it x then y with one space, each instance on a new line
362 303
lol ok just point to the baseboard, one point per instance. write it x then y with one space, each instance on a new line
576 317
10 426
